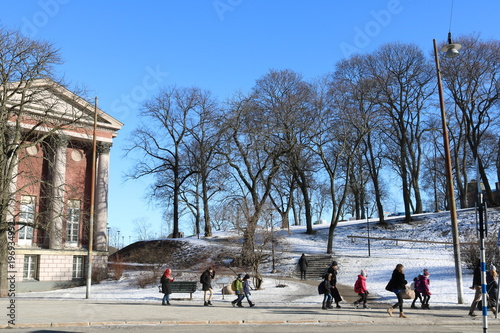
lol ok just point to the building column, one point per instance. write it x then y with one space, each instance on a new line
58 171
101 197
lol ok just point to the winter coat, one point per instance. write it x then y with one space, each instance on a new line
333 278
246 286
422 285
303 263
397 282
360 285
324 287
165 281
239 287
476 278
492 287
206 280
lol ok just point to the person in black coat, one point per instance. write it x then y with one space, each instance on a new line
332 271
303 266
166 289
398 286
476 286
206 285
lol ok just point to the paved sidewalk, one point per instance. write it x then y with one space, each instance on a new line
43 313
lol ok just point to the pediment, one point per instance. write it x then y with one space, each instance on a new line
46 98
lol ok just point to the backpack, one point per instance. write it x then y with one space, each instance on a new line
233 285
202 276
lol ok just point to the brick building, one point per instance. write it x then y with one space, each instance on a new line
52 202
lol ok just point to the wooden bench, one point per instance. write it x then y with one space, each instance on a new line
182 287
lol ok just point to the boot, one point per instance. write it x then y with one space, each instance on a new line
338 306
324 306
329 304
240 305
389 311
413 305
402 315
252 304
472 314
209 303
205 304
233 303
365 306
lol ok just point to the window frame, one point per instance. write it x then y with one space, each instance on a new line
73 220
27 211
31 267
78 268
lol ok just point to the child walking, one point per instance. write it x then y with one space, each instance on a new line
324 288
361 289
422 286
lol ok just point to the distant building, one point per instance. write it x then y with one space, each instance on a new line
56 256
472 193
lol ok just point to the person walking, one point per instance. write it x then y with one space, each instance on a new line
206 286
423 288
397 285
492 287
325 289
332 271
476 285
418 296
361 289
166 288
237 287
303 266
246 289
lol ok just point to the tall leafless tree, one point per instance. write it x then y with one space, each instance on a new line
473 82
162 142
404 77
29 118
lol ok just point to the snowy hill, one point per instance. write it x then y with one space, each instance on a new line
351 253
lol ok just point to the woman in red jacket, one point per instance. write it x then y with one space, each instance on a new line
166 289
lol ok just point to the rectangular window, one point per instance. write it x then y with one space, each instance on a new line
73 221
30 271
78 267
26 219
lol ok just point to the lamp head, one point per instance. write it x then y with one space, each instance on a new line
451 49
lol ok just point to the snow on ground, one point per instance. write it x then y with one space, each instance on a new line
351 255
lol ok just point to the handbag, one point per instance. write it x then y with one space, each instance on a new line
389 286
408 293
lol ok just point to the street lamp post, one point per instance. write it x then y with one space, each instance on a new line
367 227
272 243
451 52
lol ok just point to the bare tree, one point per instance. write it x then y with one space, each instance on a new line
253 152
142 228
163 144
403 76
473 82
29 117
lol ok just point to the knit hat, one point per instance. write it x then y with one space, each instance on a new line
240 276
492 267
246 277
334 263
426 272
363 273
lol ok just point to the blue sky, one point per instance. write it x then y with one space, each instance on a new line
124 51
